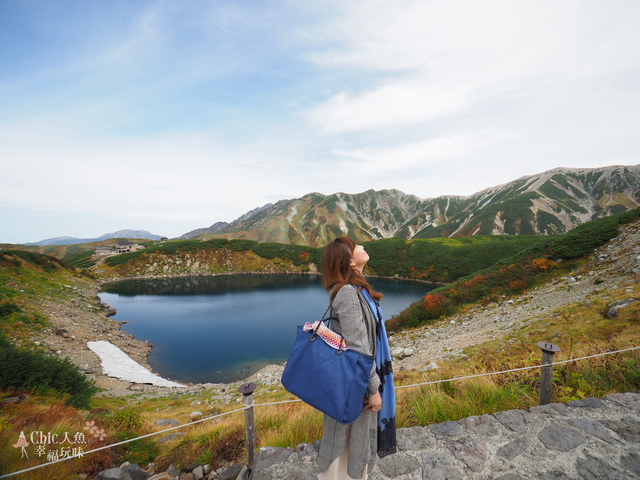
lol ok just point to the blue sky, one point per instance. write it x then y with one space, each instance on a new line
169 116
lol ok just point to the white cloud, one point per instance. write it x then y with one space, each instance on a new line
441 58
395 104
381 161
190 113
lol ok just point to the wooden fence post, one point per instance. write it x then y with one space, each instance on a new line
250 428
546 372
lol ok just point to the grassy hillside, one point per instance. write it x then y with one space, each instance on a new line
438 260
77 255
514 273
26 279
442 260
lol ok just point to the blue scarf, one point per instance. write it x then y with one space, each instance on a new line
387 414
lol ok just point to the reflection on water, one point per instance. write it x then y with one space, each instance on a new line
209 285
225 328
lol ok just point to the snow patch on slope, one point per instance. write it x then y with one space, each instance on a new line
116 363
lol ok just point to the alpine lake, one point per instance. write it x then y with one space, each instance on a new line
222 329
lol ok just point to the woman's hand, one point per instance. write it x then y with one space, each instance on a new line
373 403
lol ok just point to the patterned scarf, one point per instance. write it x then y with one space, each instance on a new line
387 415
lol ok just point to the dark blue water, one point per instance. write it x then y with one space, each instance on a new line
222 329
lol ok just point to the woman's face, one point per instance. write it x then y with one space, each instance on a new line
359 258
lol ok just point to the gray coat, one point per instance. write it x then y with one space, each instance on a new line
360 336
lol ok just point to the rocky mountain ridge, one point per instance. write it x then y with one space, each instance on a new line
551 202
128 233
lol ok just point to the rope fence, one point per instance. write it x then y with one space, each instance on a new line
247 391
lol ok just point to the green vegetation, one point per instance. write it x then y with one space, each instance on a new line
296 254
126 423
438 260
512 274
445 260
6 309
33 370
45 261
586 237
238 245
82 259
385 256
455 400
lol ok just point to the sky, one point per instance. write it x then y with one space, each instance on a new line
170 116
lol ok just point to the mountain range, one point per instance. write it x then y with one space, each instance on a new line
551 202
119 234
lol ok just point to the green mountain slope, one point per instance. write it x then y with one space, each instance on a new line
552 202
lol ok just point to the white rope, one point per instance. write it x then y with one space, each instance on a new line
515 369
298 400
278 403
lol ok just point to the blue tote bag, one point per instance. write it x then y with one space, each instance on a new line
332 380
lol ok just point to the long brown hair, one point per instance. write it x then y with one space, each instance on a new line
337 270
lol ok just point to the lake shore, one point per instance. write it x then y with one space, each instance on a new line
76 322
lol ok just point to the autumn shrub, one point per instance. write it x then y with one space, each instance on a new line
219 447
517 286
228 448
486 286
100 460
435 306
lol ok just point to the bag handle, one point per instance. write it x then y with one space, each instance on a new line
322 319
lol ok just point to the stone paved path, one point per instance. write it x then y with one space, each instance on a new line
583 439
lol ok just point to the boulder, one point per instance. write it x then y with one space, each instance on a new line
617 305
171 436
401 353
110 474
170 422
62 333
232 472
133 472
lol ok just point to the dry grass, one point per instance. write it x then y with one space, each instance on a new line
40 421
288 425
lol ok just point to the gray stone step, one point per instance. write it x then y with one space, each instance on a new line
585 439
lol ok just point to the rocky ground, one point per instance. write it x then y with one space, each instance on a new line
614 266
582 440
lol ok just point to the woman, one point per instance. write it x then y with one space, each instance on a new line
349 451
